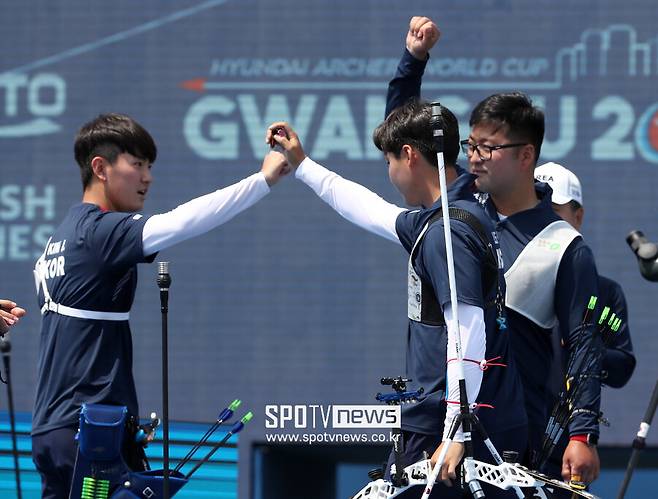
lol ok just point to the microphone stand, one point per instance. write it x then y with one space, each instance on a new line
5 349
639 442
164 281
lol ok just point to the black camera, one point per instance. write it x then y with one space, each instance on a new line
646 253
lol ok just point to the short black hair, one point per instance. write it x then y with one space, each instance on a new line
410 124
574 205
107 136
515 111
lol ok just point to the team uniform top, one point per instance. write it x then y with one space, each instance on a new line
82 360
575 283
426 345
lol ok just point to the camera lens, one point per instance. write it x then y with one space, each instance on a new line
646 253
642 248
635 239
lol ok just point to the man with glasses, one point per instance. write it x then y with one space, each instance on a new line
484 152
406 140
544 287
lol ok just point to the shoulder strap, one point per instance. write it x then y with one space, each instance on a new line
490 274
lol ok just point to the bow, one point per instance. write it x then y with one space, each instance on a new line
504 476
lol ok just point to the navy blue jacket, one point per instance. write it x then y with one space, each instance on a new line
87 360
426 343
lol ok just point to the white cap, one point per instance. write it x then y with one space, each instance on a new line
565 184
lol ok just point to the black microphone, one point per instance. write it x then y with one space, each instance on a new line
646 253
436 123
164 279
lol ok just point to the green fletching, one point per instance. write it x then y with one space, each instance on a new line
235 404
247 417
604 314
87 488
592 302
93 488
616 325
612 319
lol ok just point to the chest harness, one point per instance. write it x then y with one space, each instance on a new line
422 304
532 277
49 305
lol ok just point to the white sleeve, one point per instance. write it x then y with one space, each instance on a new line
474 345
202 214
350 200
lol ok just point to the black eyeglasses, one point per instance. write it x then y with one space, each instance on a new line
484 151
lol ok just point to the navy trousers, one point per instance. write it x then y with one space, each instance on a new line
54 454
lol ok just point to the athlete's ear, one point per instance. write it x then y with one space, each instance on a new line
527 156
409 154
98 166
406 152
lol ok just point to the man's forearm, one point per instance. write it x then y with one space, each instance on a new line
474 345
586 372
406 83
350 200
202 214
